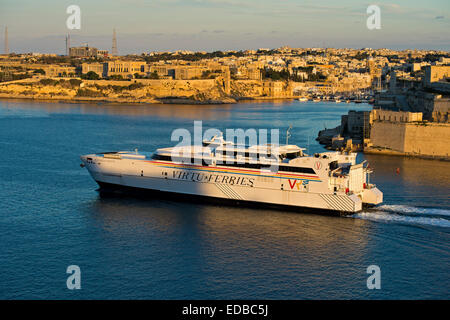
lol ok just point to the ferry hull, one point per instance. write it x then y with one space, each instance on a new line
340 204
107 189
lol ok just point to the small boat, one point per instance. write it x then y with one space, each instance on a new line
303 99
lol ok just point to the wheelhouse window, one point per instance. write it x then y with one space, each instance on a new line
293 155
333 165
161 157
297 169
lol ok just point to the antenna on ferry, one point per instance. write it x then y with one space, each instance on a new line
288 134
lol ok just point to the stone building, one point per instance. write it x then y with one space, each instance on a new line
83 52
187 72
254 74
59 71
164 71
435 74
102 53
435 107
396 116
356 124
95 67
125 69
272 88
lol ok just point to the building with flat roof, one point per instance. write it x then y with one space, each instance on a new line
102 53
356 124
272 88
59 71
123 68
435 74
84 51
396 116
98 68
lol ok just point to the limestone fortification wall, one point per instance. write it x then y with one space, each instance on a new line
207 83
430 139
246 88
388 135
164 88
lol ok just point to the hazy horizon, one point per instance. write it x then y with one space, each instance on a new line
209 25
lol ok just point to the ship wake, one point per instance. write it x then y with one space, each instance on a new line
407 215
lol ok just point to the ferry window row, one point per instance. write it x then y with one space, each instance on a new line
240 164
253 155
297 169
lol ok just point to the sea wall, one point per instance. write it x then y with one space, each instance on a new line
428 139
246 88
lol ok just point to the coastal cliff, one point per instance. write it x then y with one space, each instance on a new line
202 91
138 91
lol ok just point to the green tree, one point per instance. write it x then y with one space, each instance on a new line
153 75
75 82
116 77
91 75
48 82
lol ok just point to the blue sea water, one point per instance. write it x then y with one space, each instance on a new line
51 215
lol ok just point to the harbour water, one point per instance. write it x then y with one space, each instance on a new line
51 215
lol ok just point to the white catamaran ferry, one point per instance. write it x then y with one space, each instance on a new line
263 174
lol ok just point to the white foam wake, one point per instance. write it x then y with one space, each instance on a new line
408 210
390 216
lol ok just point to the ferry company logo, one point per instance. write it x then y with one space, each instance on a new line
215 178
299 184
318 165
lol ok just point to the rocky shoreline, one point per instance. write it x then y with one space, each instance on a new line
163 100
190 92
149 101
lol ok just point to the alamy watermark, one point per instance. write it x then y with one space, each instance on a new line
240 141
374 280
74 20
374 20
74 280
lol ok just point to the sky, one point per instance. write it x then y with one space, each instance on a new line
209 25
